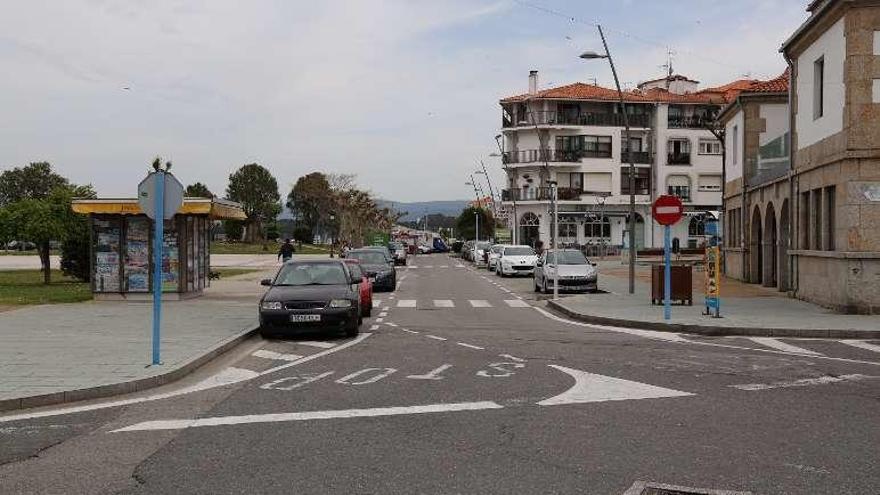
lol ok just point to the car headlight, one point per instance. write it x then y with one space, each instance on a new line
340 303
272 305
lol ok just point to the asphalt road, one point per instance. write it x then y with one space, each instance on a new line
463 383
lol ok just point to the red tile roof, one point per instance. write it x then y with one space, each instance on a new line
776 85
577 91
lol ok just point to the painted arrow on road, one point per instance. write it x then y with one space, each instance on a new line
589 387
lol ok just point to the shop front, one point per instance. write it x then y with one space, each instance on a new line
122 247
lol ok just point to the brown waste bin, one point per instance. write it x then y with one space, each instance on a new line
682 287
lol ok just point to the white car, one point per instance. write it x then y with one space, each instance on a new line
516 260
479 252
567 267
494 254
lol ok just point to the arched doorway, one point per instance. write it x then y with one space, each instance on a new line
640 231
784 243
770 249
756 256
529 225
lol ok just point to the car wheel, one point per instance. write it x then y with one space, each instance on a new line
537 288
353 329
266 333
544 287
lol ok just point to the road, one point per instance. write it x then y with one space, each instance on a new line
463 383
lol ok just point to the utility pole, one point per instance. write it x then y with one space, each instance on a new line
514 225
555 236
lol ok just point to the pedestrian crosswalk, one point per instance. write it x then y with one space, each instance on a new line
467 303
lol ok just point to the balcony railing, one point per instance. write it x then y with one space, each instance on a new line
541 194
537 156
638 157
689 122
678 159
552 117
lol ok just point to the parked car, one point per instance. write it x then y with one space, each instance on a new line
494 254
516 260
398 253
366 286
567 267
439 246
480 249
467 250
309 295
378 266
425 249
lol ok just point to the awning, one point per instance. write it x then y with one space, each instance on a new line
217 209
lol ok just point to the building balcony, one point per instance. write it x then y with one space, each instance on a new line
552 117
643 157
539 156
541 194
678 159
695 122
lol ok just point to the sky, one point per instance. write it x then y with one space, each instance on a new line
402 93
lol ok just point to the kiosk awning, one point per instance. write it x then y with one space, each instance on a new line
218 209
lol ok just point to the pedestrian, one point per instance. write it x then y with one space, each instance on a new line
286 251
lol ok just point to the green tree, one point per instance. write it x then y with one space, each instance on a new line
310 201
466 227
35 181
198 190
257 190
233 229
76 242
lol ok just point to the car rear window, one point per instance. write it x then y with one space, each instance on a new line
369 257
312 274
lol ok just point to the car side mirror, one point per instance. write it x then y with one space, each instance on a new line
266 281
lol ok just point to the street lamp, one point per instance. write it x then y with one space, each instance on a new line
514 225
591 55
476 193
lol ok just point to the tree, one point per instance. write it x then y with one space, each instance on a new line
467 219
257 190
35 181
309 201
233 229
198 190
76 243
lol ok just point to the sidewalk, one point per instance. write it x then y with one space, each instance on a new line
61 353
746 309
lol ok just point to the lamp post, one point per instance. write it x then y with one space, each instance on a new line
488 181
554 236
514 225
589 55
477 229
476 193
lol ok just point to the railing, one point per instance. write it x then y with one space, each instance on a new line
552 117
678 159
638 157
533 156
689 122
683 192
541 194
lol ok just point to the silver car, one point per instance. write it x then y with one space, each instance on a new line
494 255
516 260
567 267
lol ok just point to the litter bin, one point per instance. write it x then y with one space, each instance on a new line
681 289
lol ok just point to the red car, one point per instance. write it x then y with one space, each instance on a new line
366 287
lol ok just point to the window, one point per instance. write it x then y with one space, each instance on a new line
634 144
679 185
819 88
642 181
597 181
596 227
679 151
709 147
567 229
804 208
709 183
828 215
597 146
697 227
734 153
816 237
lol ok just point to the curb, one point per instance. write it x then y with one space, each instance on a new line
714 330
120 388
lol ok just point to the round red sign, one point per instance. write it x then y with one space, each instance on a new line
667 210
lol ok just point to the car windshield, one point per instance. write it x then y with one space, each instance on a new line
571 258
519 251
369 257
312 274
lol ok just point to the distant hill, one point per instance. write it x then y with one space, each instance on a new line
419 209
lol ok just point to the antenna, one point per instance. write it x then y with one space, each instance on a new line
669 55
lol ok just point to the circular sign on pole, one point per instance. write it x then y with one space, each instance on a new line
667 210
173 194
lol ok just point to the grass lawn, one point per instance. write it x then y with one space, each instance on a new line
19 287
271 248
231 272
12 252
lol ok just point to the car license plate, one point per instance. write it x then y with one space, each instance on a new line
304 318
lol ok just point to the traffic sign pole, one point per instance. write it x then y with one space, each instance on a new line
667 274
158 244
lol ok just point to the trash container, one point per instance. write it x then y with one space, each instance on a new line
681 289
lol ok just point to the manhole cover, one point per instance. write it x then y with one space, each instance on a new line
649 488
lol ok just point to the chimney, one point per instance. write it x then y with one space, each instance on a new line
533 82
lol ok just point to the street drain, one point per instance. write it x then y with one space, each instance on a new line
649 488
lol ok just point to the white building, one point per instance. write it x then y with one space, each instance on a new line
573 135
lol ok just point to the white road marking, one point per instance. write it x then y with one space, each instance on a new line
429 266
782 346
294 382
266 354
471 346
317 343
178 424
377 303
861 344
383 314
391 324
444 266
443 303
512 358
374 327
435 337
502 370
380 320
433 374
459 266
479 303
589 387
406 303
383 372
805 382
408 330
226 377
517 303
386 308
413 266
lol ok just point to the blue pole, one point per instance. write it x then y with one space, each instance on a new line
667 275
158 238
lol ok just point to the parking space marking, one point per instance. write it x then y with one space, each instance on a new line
380 320
443 303
266 354
435 337
377 303
480 303
317 343
861 344
386 308
517 303
783 346
407 330
374 327
383 314
406 303
391 324
444 266
471 346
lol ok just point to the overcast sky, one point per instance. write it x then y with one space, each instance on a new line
404 94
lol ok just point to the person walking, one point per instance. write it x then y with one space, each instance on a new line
286 251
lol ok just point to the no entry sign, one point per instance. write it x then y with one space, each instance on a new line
667 210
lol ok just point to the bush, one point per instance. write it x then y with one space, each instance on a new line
75 252
303 234
233 229
272 233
